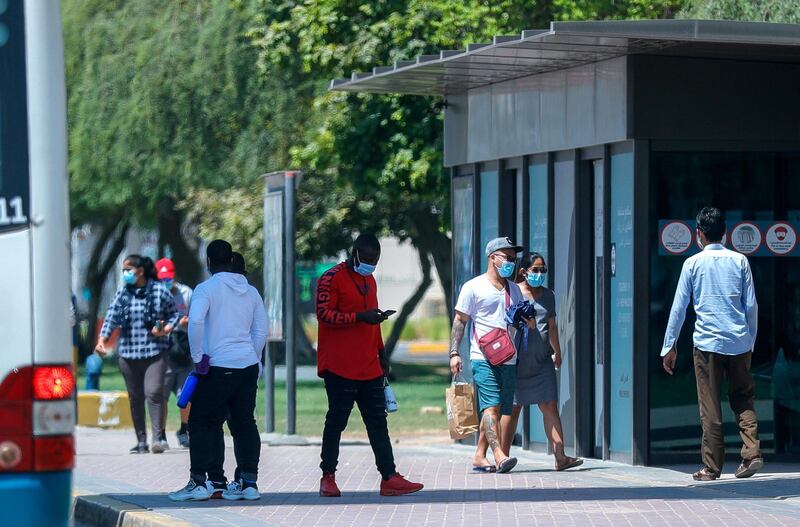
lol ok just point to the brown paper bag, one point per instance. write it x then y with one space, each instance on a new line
462 417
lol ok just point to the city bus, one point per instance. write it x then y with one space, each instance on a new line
37 382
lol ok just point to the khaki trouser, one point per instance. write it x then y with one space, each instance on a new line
709 369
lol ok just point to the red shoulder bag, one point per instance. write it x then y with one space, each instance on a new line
496 345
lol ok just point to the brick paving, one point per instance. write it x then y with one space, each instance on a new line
597 494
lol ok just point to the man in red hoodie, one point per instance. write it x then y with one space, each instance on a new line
351 360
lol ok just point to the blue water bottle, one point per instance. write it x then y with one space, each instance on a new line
187 390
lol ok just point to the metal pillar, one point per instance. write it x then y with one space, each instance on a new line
289 299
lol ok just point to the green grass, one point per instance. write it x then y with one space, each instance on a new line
416 386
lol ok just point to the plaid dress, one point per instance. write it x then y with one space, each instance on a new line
135 315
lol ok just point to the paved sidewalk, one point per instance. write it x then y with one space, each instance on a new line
598 493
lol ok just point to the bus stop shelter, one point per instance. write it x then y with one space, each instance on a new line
595 144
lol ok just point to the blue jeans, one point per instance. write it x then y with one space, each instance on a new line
495 385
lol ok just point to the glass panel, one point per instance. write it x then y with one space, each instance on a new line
463 239
490 225
748 186
273 264
621 323
537 242
599 303
564 287
537 201
13 119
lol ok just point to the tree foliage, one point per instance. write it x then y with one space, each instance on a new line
787 11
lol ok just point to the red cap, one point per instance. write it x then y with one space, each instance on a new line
165 268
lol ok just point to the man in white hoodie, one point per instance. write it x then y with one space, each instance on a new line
227 333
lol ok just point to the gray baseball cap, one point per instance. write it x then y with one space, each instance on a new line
502 243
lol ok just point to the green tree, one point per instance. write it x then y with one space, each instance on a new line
381 156
161 99
787 11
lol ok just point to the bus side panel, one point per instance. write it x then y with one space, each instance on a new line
47 134
15 302
30 499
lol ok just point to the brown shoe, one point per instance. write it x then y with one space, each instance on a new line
705 474
569 462
749 467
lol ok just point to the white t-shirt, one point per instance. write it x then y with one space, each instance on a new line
486 307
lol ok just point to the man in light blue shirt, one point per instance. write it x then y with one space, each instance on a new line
720 284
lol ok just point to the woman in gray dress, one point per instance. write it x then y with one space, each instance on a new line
537 362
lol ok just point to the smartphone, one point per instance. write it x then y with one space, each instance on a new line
160 325
388 313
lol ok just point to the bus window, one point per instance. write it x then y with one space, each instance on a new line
14 184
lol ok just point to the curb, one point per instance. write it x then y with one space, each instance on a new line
103 511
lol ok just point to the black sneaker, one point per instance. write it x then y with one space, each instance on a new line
140 448
216 488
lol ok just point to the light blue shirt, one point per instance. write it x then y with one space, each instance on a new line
721 284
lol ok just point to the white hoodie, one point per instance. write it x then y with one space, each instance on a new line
227 321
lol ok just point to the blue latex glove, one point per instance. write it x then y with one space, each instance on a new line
201 368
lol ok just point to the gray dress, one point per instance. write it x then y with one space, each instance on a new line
536 373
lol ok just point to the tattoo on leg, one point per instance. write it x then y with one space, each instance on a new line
489 424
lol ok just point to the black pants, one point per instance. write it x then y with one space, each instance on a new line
342 393
231 393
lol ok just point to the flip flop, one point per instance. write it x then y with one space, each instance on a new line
506 465
573 462
486 469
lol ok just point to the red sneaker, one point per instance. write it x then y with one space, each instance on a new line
397 485
328 488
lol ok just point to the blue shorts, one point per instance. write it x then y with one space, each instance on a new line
495 385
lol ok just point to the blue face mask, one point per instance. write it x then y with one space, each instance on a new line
506 269
168 283
535 279
362 268
129 276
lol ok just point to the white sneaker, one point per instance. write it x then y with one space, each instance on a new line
159 446
191 492
237 492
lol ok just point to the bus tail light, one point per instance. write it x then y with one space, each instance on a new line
37 419
53 382
53 417
54 453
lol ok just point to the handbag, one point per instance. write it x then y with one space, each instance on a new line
496 345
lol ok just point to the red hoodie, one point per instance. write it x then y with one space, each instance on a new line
345 347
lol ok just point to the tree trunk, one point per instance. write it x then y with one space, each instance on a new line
112 232
184 254
428 238
410 304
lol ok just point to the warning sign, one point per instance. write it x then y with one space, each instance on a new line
781 238
754 238
676 237
746 237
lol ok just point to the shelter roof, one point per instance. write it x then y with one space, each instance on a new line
570 44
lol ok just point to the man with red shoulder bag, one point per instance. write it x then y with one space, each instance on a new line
480 311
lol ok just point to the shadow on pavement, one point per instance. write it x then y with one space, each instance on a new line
727 490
